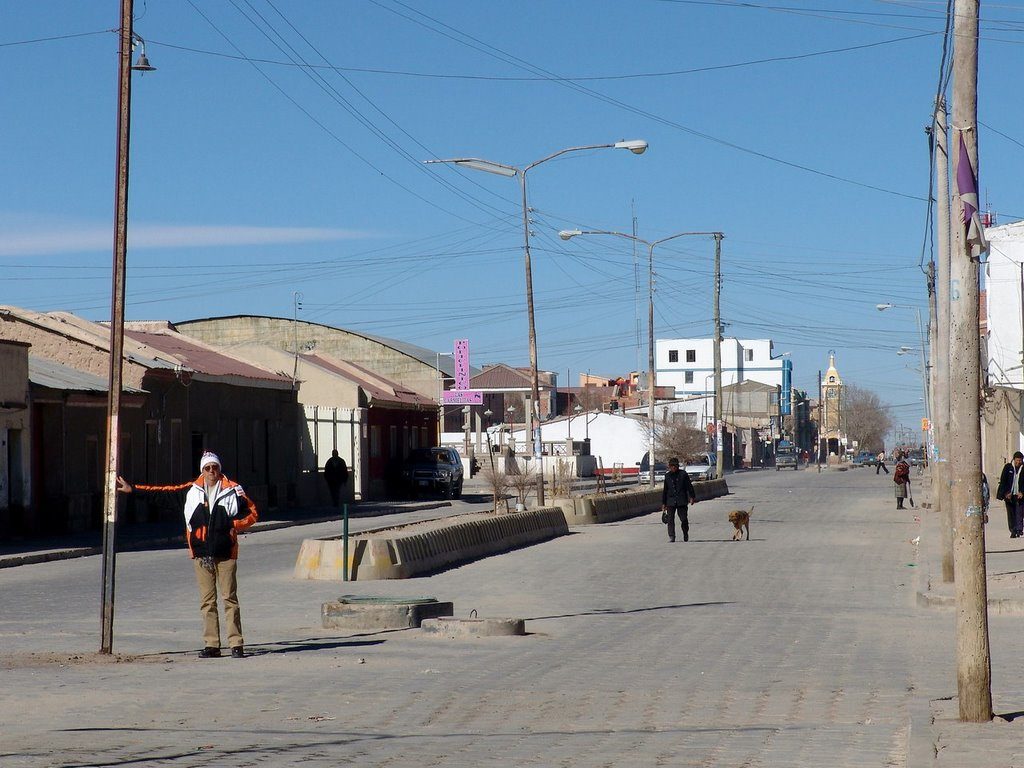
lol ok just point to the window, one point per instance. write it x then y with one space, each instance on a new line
374 441
688 377
673 355
691 355
748 355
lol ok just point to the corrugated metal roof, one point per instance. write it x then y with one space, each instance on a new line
46 373
201 358
374 385
424 355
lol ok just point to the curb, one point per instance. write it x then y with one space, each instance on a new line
920 741
47 556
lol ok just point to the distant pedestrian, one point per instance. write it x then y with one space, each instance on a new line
901 476
1010 491
986 498
336 475
676 494
881 463
215 509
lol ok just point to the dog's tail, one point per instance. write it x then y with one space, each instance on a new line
750 512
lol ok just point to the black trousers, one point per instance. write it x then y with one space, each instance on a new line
880 467
335 489
1015 516
684 521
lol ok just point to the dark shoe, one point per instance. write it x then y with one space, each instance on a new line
671 541
237 652
209 653
686 535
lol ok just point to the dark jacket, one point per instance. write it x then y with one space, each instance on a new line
677 490
336 471
1006 482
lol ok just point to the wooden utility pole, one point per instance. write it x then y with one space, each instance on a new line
974 667
940 346
124 111
719 438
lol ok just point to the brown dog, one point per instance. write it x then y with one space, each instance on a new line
740 520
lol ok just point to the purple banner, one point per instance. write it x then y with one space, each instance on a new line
462 397
461 364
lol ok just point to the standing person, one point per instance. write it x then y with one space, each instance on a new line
215 509
881 463
901 476
1010 491
676 493
336 475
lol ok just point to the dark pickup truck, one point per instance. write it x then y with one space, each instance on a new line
437 470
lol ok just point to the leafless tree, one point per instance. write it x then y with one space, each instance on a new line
675 439
867 419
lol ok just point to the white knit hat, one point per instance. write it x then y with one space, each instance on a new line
209 458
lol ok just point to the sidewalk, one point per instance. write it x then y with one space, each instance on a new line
170 535
938 738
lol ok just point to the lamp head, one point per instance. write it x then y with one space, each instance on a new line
636 146
569 234
883 307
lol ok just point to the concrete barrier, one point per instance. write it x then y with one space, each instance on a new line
621 505
405 551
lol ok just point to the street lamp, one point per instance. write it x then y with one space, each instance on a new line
568 234
924 363
637 147
117 302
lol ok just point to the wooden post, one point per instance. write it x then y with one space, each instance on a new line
973 660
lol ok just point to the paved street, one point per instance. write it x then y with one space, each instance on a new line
801 647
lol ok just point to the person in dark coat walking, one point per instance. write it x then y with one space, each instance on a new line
336 475
901 476
1010 491
676 494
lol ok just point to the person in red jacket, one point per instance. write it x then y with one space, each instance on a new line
215 509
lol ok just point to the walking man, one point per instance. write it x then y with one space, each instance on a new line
881 463
676 493
336 475
215 509
1011 492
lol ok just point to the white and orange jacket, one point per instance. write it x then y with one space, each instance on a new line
211 525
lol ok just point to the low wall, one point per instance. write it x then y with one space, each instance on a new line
609 507
399 553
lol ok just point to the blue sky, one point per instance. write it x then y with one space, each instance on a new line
279 146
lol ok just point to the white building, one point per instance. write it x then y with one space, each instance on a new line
689 364
1003 425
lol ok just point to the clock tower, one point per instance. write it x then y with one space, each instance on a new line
831 406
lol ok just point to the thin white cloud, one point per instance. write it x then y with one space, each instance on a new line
36 240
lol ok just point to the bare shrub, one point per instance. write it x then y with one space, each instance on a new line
523 483
563 477
497 483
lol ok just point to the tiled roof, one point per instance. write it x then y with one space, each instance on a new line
501 377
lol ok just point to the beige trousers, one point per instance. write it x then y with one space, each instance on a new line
224 581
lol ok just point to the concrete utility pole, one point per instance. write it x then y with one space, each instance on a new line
719 439
124 110
817 448
940 354
974 667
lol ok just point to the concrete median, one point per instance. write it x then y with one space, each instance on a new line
622 505
402 552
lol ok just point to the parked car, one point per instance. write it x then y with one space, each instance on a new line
702 466
433 469
865 459
644 475
916 457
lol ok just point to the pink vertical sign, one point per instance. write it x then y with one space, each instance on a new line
462 364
